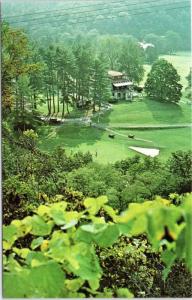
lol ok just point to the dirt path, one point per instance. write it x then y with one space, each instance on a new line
150 126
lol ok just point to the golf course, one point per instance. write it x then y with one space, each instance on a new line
164 126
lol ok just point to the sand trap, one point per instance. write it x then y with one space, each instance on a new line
146 151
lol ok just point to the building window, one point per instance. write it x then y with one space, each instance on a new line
119 95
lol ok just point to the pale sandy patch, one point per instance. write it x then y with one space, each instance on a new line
146 151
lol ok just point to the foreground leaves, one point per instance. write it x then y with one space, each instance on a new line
63 245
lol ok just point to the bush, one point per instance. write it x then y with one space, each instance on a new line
58 252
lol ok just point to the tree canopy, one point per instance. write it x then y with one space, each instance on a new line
162 82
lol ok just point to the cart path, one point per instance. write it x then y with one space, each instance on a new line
118 133
149 126
87 120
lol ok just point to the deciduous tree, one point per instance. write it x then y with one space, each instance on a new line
131 60
163 82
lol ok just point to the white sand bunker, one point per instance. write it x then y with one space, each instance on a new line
146 151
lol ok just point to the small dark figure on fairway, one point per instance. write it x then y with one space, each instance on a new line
95 153
111 136
131 136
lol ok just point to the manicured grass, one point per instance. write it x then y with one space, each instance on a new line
147 112
76 138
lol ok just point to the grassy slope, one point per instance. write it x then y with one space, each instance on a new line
75 138
147 112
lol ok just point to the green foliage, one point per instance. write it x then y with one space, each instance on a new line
173 41
69 251
132 263
101 86
31 177
163 82
121 25
151 55
131 60
180 164
189 78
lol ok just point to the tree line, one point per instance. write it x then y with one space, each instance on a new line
62 76
170 27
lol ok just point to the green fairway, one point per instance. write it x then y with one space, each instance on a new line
147 112
106 150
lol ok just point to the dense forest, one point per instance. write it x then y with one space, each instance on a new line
163 23
73 226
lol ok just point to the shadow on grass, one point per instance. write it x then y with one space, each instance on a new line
165 113
68 135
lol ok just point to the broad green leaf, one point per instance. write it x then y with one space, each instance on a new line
94 284
94 205
26 226
135 226
58 216
74 295
180 244
38 256
43 210
103 235
5 260
23 253
125 228
7 245
108 236
135 210
72 223
57 212
36 243
124 293
74 285
15 285
23 227
89 268
59 238
16 223
40 227
188 240
168 257
9 236
97 220
9 232
45 281
111 212
155 225
72 216
83 236
12 264
94 228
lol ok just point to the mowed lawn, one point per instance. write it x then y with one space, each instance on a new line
105 150
147 112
